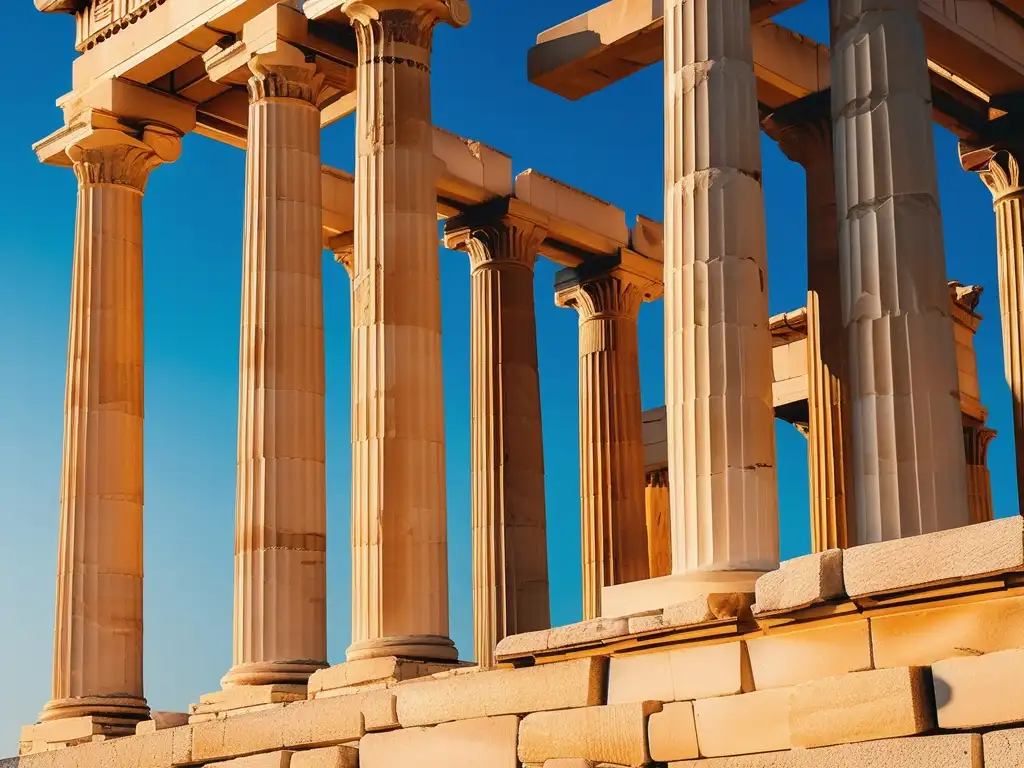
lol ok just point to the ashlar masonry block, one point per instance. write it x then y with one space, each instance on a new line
698 672
612 734
672 733
1004 749
787 658
328 757
566 685
877 704
801 582
269 760
744 724
479 743
976 691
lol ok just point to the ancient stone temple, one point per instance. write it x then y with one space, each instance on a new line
898 642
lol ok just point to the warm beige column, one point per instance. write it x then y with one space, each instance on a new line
399 526
659 524
281 512
999 168
977 439
97 663
510 556
721 426
907 440
614 519
803 131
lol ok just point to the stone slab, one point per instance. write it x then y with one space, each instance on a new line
801 582
328 757
748 723
1004 749
787 658
970 552
479 743
700 610
665 591
977 691
572 205
610 734
267 760
169 748
932 634
559 638
696 672
672 733
160 720
956 751
564 685
386 669
862 706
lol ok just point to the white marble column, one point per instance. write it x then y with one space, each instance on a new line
907 440
510 556
280 633
718 392
612 478
97 662
399 522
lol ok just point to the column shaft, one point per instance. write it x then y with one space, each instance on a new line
97 664
908 459
612 480
399 527
721 432
659 524
280 629
979 483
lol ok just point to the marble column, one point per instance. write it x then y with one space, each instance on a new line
1000 170
803 131
612 480
977 438
907 440
280 627
97 660
510 561
399 525
659 524
718 390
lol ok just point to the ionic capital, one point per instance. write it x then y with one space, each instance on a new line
110 157
803 129
976 442
344 249
494 236
404 21
285 73
601 291
998 166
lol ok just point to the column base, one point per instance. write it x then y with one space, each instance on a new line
416 647
243 700
57 731
655 594
128 708
271 673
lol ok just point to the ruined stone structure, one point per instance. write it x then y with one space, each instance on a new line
898 641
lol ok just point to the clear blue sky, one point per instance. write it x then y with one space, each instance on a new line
609 145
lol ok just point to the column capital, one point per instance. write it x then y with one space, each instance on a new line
977 438
998 165
114 157
603 289
494 235
344 249
284 73
407 21
802 129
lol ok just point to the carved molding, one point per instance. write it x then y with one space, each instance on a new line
377 31
61 6
100 19
110 157
1002 176
505 240
284 81
614 295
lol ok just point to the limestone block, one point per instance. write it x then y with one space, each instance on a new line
926 636
481 743
699 610
801 582
268 760
328 757
569 762
576 207
696 672
975 691
581 633
165 749
160 720
957 751
1004 749
744 724
578 683
611 734
473 163
387 669
877 704
672 733
935 558
792 657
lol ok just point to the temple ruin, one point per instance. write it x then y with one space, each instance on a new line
899 641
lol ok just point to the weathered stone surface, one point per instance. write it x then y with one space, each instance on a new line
687 673
267 760
487 742
877 704
581 633
565 685
612 734
975 691
957 751
744 724
672 733
932 634
706 608
1004 749
165 749
792 657
328 757
935 558
388 669
158 721
801 582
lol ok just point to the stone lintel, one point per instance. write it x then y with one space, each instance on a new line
338 201
648 238
508 209
627 265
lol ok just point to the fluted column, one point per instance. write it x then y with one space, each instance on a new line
510 562
718 391
399 526
612 480
999 167
659 524
908 459
97 661
803 130
977 439
280 627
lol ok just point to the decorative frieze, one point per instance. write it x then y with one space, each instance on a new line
101 19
